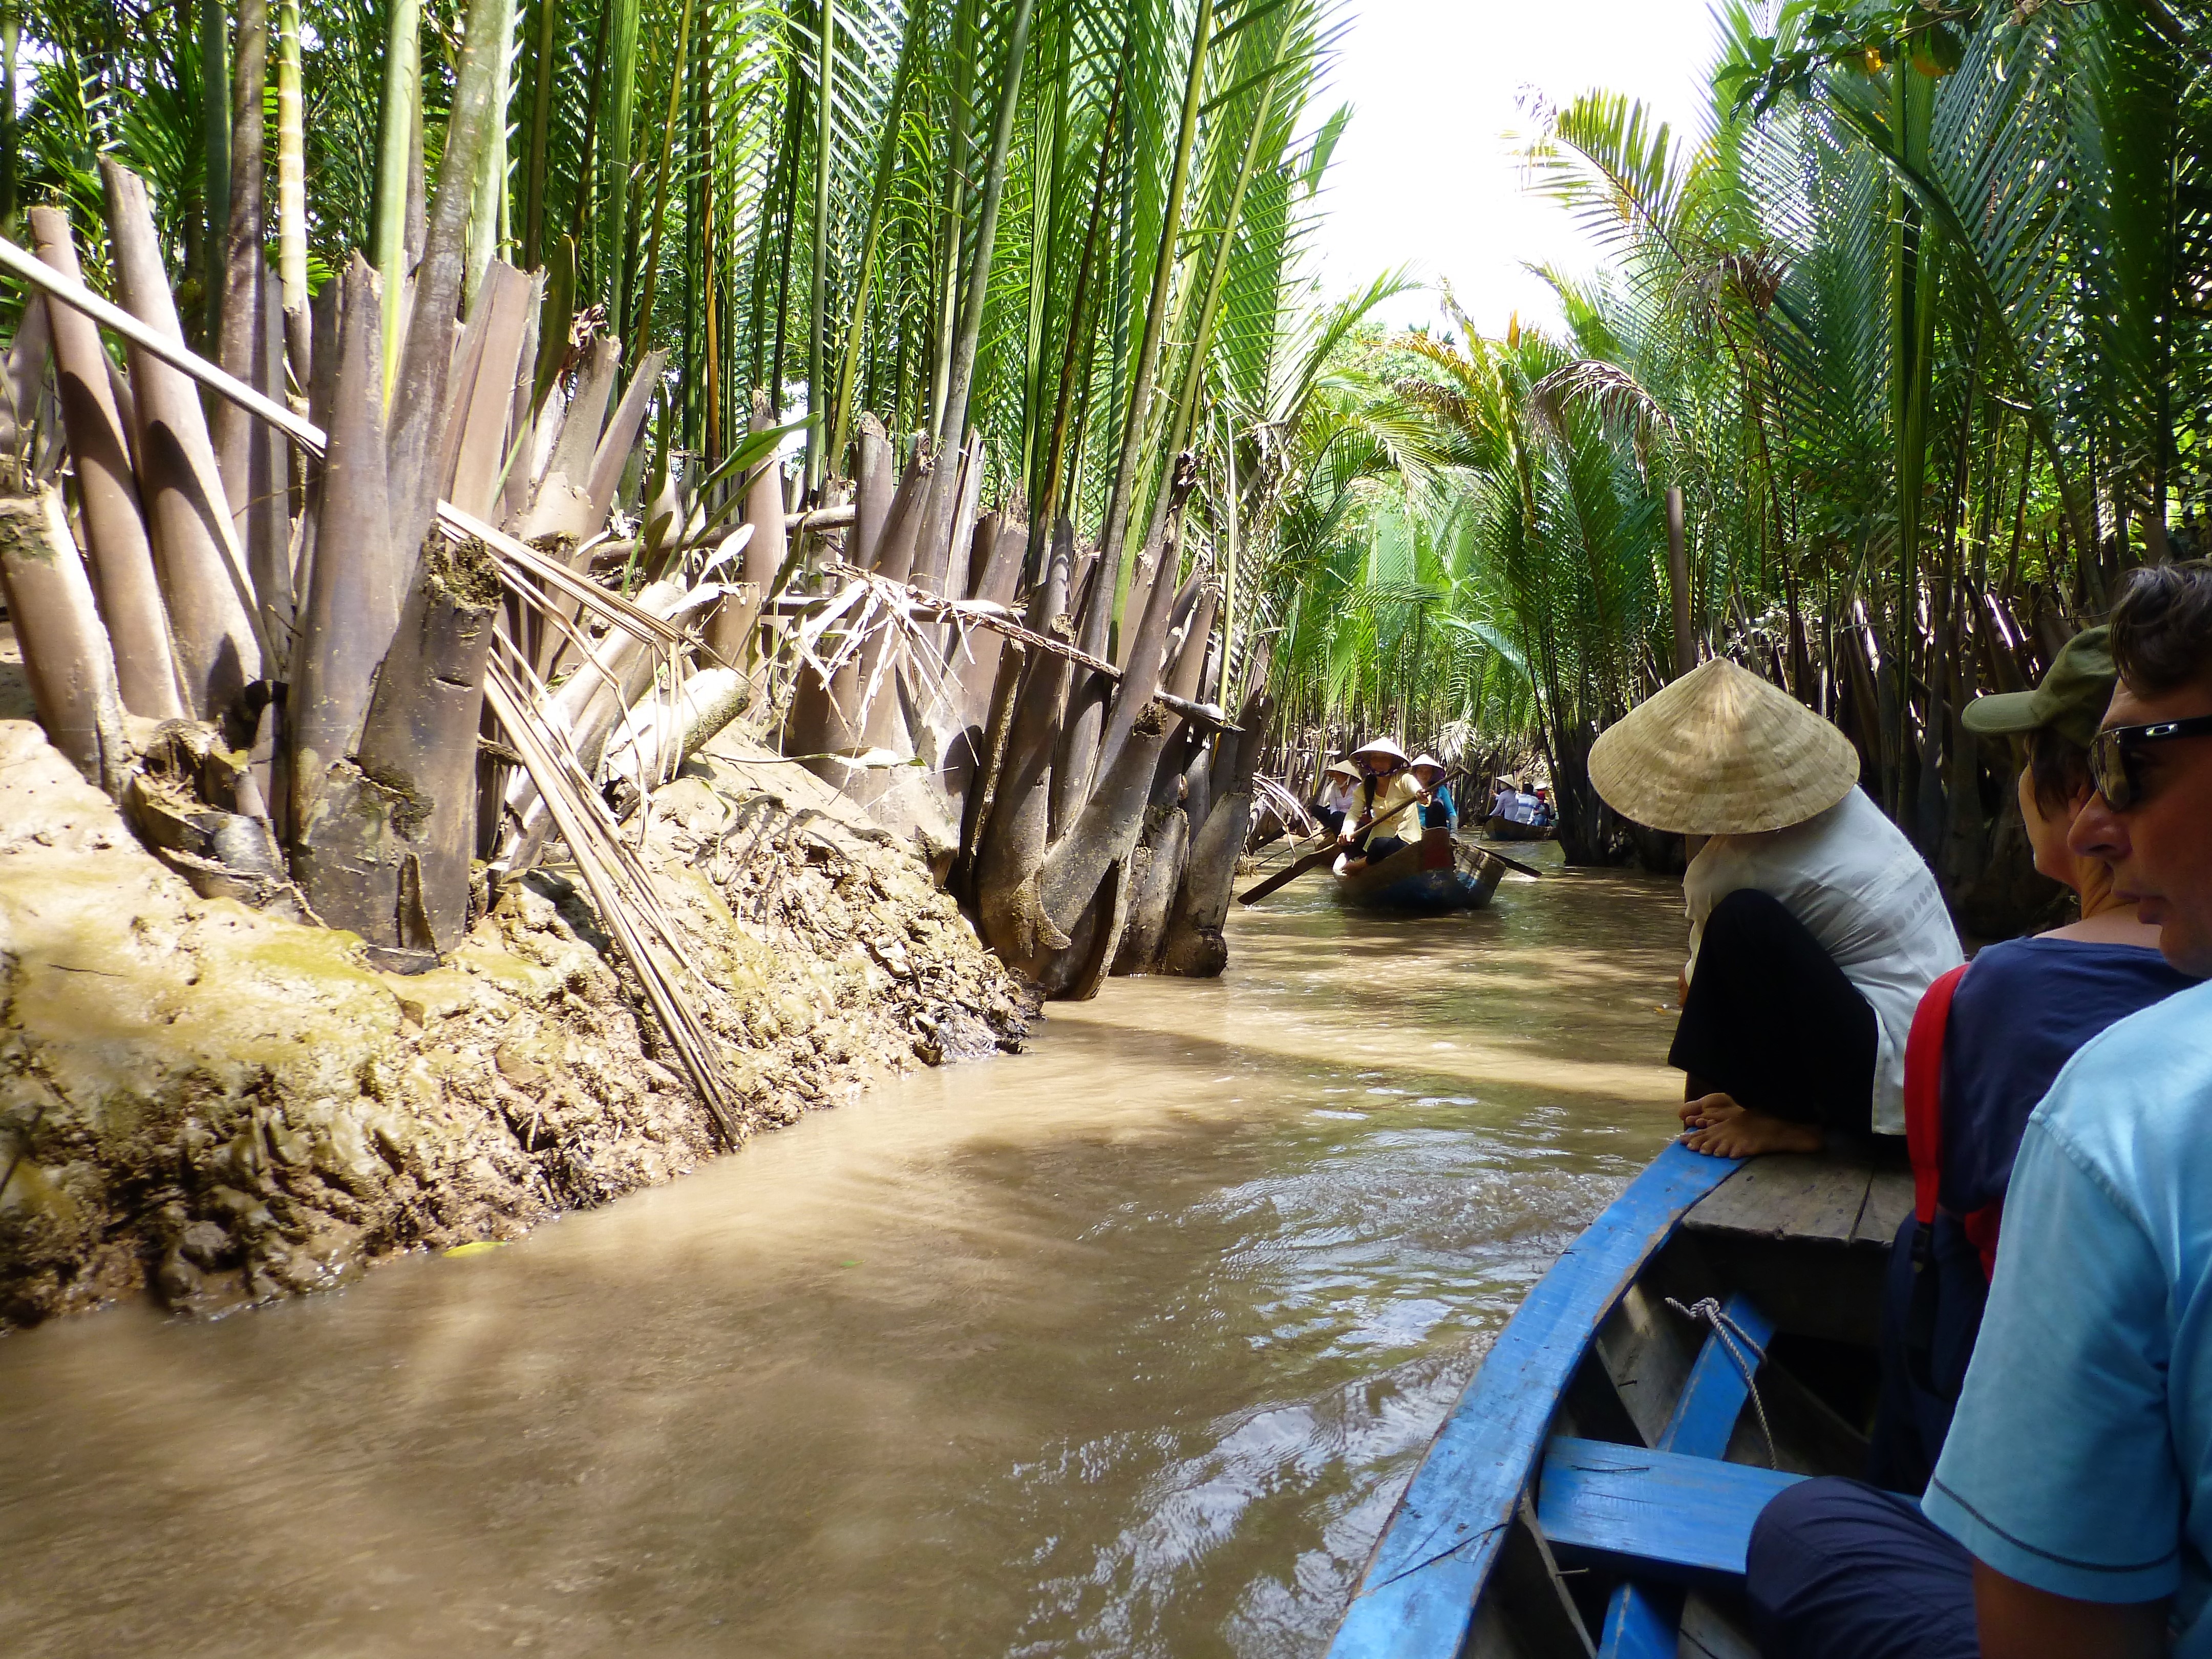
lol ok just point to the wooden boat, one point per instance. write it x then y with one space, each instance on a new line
1427 877
1518 815
1708 1341
1498 827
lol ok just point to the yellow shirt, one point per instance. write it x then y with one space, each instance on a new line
1397 807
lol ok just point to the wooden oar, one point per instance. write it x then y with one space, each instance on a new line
1289 873
1510 864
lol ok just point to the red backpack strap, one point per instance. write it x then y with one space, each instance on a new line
1924 1091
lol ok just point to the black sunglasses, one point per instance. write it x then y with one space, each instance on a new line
2115 755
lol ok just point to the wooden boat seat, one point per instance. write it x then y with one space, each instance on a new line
1652 1511
1642 1620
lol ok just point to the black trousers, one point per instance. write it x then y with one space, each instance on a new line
1377 849
1771 1021
1838 1571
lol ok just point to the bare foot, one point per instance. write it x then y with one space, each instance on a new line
1708 1109
1745 1133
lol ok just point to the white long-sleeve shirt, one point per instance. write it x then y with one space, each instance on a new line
1862 890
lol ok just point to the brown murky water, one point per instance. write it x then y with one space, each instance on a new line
1124 1348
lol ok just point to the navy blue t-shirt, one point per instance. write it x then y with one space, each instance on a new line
2022 1010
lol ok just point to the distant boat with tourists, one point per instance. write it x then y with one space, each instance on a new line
1516 815
1429 877
1708 1341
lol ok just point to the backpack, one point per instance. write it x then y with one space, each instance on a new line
1923 1141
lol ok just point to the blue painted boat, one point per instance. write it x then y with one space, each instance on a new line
1428 877
1709 1340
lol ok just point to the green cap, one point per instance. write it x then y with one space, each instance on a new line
2070 702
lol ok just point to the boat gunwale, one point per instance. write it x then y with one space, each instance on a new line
1417 1596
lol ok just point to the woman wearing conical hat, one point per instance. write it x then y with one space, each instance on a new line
1388 802
1815 925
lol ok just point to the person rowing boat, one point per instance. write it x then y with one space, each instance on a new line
1390 802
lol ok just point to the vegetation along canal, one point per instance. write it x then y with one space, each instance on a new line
1124 1347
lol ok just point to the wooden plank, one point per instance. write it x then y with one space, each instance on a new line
1640 1623
1714 1397
1648 1351
1651 1510
1889 1202
1528 1588
1708 1634
1417 1595
1637 1621
1789 1195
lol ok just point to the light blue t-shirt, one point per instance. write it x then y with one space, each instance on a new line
2080 1461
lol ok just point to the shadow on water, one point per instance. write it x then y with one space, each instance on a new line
1122 1347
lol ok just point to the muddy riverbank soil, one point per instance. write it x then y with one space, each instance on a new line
217 1107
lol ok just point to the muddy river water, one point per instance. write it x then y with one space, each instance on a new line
1122 1347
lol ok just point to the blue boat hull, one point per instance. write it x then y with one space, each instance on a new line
1596 1483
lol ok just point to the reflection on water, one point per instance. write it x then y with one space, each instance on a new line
1122 1347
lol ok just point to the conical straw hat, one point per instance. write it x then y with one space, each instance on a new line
1721 752
1381 746
1424 758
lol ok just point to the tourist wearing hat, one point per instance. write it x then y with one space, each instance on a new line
2007 1030
1815 925
1339 783
1440 809
1388 802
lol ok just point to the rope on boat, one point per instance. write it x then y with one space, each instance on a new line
1733 1339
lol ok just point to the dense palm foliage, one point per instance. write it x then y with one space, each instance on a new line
1918 327
1013 220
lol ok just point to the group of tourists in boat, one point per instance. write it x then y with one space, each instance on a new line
1376 801
2038 1476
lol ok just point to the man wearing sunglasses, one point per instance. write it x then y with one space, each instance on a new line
2074 1495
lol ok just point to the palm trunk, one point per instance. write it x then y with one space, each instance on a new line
66 655
352 603
215 159
122 557
204 584
387 851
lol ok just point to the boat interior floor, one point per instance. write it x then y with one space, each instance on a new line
1741 1358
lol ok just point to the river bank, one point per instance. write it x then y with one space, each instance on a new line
218 1106
1123 1346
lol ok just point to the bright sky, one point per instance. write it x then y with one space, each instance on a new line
1424 176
